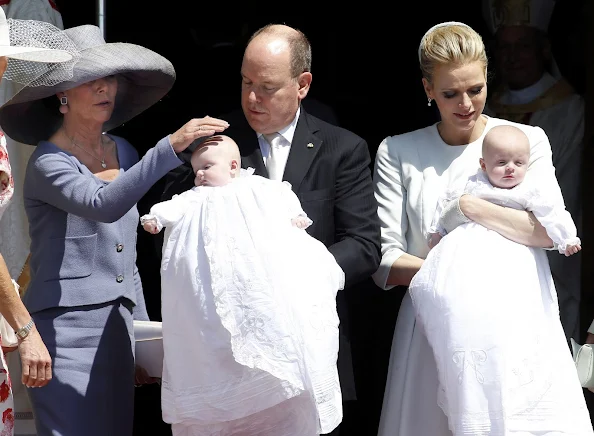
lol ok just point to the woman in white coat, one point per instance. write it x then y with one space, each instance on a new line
411 171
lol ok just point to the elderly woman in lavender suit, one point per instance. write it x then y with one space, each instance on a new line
80 192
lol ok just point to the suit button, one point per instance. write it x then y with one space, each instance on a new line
120 278
119 247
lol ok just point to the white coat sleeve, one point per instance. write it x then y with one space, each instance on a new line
391 197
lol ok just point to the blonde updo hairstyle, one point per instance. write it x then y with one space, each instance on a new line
453 44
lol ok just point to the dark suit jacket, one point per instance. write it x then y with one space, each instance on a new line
333 182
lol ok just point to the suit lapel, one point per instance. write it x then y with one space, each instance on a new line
246 138
304 149
253 156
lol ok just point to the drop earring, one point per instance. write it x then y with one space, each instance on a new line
429 101
63 104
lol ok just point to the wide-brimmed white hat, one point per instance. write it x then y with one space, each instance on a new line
144 77
28 40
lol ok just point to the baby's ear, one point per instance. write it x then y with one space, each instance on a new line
234 165
482 164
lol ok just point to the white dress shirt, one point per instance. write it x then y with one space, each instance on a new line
282 154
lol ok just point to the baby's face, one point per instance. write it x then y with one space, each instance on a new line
506 164
211 167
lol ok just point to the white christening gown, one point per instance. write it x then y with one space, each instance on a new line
250 327
488 308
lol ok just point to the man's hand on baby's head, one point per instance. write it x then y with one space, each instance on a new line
572 249
150 226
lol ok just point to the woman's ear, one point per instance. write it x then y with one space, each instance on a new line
428 89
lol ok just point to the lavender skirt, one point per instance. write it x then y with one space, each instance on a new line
92 390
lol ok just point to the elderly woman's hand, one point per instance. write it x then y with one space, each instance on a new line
194 129
36 361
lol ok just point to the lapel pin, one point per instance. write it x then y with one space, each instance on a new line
310 145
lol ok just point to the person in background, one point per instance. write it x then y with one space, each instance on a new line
531 90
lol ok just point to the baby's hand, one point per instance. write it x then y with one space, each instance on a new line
434 240
300 222
572 249
4 180
150 226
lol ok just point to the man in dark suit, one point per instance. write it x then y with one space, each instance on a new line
327 166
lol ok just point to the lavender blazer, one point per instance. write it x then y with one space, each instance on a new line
83 229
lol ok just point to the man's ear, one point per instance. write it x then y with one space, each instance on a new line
304 82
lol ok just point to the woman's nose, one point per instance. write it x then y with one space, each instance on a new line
100 85
465 103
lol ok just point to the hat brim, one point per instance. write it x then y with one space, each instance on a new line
33 54
144 77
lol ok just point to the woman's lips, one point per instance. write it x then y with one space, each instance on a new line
465 117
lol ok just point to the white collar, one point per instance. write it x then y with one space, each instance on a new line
289 131
530 93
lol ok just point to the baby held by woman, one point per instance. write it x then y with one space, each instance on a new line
498 316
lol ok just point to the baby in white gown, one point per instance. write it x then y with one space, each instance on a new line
488 314
250 328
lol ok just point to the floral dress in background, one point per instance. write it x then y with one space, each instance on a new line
6 400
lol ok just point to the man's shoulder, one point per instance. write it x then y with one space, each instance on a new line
331 132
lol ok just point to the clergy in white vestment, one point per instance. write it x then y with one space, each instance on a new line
14 227
532 91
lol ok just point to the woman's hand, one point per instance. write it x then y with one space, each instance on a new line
194 129
141 377
36 361
4 180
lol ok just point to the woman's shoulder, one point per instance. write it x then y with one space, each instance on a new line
47 153
409 141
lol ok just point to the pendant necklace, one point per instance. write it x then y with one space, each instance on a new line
102 160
